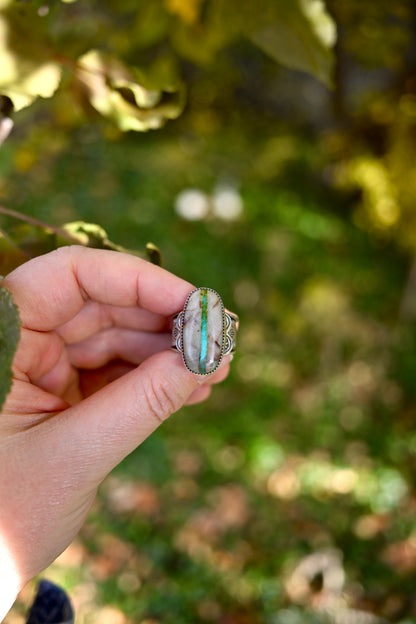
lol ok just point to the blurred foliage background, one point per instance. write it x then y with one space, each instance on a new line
284 178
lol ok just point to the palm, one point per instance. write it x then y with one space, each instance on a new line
97 345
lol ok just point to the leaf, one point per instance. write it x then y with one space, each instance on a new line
26 68
31 238
187 10
321 21
199 40
93 235
11 256
119 93
154 254
299 34
151 23
28 239
88 234
9 338
41 82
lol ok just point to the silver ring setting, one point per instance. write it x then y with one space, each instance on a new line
204 331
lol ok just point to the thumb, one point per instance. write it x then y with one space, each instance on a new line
97 433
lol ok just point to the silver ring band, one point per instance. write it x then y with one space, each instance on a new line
204 331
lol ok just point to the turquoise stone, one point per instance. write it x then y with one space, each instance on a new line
203 331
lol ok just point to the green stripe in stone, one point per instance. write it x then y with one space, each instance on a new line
204 330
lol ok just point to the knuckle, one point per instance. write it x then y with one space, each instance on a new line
161 399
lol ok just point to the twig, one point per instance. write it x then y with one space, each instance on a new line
23 217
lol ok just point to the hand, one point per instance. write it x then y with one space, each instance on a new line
93 376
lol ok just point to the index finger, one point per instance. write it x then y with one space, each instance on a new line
51 289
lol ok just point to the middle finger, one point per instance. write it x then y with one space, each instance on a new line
94 317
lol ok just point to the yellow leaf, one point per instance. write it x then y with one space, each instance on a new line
322 23
23 75
42 82
114 90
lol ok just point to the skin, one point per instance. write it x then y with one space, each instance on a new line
93 376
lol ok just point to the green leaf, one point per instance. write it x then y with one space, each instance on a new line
9 338
151 23
119 93
299 34
201 40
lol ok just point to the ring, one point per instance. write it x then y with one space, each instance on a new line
204 332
